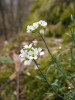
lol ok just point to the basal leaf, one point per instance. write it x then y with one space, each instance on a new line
6 60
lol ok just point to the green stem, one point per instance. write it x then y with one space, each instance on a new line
53 58
55 61
72 49
72 41
46 79
46 46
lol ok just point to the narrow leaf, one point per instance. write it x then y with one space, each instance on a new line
49 69
55 83
72 75
71 17
68 34
40 78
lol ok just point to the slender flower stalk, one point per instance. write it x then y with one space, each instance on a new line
72 49
53 58
46 79
55 61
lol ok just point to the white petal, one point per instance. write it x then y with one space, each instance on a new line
39 49
30 45
34 42
35 57
42 31
42 53
35 25
35 51
30 53
27 62
31 58
26 46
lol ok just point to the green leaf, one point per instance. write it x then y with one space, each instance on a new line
72 75
49 69
68 34
71 17
59 55
61 75
55 71
40 78
66 51
6 60
74 58
55 83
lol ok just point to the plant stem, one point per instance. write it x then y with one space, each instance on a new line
46 79
53 58
72 40
55 61
46 46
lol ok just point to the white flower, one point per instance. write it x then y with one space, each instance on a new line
40 52
35 26
29 28
23 53
42 23
42 31
69 87
27 62
34 42
33 54
29 53
28 46
24 57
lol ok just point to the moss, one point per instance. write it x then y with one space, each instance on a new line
7 93
4 76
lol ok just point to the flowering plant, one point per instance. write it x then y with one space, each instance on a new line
29 53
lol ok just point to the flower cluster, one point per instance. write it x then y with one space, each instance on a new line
36 26
29 53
